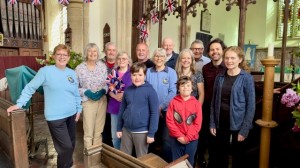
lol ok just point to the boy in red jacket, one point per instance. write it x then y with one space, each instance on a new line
184 119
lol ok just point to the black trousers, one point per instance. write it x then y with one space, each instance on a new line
206 139
63 133
227 144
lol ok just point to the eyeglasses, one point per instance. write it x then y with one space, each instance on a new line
197 49
159 56
122 59
62 55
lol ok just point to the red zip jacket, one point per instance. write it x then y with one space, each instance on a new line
184 118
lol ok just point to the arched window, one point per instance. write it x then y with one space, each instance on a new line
293 30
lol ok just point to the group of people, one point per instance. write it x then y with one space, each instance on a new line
170 104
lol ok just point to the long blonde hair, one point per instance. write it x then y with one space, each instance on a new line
178 66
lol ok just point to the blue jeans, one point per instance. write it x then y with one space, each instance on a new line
114 122
179 149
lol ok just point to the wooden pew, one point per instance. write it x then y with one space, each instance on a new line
13 139
107 157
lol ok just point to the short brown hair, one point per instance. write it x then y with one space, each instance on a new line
137 66
183 80
61 47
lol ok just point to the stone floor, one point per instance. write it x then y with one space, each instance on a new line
41 131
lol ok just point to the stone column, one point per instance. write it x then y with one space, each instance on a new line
75 19
124 22
86 24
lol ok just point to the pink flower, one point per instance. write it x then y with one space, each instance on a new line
290 98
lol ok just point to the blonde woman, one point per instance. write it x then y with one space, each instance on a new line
185 66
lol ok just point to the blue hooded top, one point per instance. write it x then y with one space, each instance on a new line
139 110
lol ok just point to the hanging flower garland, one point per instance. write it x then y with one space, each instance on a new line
64 2
12 2
36 2
170 4
114 82
154 16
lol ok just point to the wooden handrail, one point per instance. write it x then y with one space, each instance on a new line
14 127
289 85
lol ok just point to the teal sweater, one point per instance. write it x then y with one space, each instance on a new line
61 93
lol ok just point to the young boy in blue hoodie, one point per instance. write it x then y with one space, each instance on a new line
138 115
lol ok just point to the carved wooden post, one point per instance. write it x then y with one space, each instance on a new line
266 122
160 23
284 39
242 23
183 19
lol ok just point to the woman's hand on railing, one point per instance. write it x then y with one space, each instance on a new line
12 108
277 90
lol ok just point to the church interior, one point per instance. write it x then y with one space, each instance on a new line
267 30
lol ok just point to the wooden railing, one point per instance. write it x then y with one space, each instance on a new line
106 156
13 139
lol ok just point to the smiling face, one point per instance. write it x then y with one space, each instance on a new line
168 45
215 52
138 78
122 61
186 60
142 52
185 89
92 54
159 58
197 49
111 52
159 61
232 60
61 58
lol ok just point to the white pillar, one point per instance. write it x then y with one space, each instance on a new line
124 23
75 19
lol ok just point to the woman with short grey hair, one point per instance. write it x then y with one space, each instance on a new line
92 75
163 79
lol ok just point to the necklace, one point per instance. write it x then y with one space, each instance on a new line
186 74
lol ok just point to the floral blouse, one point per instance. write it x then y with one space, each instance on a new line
94 80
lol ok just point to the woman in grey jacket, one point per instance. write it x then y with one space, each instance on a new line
232 108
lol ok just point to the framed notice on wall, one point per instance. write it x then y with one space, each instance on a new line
205 21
